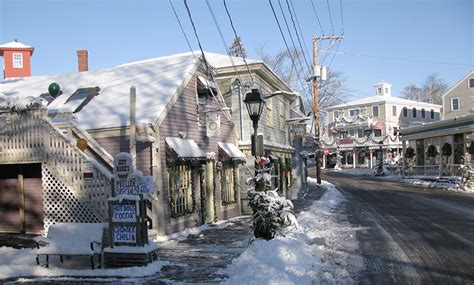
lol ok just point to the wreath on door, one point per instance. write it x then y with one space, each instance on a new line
432 152
447 149
410 152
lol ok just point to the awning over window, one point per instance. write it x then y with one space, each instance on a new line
377 126
230 150
185 148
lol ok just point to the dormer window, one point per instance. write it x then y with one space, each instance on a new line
379 90
17 60
81 97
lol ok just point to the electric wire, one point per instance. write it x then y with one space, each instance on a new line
197 37
236 37
287 48
298 38
291 38
401 58
223 41
342 17
330 16
299 27
182 29
317 17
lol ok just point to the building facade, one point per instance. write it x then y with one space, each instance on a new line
360 129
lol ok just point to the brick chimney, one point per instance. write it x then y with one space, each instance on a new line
83 60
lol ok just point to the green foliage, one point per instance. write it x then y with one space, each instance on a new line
432 151
237 48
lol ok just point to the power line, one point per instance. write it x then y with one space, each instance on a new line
291 37
330 17
401 58
299 27
182 29
287 48
317 17
223 40
238 43
298 37
342 16
197 37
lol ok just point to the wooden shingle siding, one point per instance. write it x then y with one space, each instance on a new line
183 117
114 145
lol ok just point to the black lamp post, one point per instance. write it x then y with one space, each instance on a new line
254 102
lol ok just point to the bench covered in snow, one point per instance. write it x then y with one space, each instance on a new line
72 239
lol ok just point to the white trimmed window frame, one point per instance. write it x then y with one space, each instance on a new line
17 59
375 107
469 86
355 110
458 104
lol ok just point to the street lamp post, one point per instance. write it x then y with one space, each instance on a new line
254 102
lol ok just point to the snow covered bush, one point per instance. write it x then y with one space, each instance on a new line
17 104
271 213
467 176
379 171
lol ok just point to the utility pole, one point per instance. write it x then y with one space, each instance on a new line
317 153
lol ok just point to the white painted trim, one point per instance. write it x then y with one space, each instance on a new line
21 60
452 105
459 82
470 87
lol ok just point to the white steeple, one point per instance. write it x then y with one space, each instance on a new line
383 89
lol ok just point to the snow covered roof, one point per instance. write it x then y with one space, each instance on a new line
15 44
231 150
185 148
383 99
223 60
156 80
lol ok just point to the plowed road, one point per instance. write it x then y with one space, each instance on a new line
407 234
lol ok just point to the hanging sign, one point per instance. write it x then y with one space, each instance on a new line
134 186
213 124
123 164
124 212
125 234
88 173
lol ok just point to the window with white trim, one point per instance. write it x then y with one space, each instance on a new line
414 112
471 82
454 104
432 114
405 112
354 112
17 60
282 117
227 185
269 106
423 113
375 111
394 111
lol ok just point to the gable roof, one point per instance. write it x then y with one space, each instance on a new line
383 99
469 74
157 81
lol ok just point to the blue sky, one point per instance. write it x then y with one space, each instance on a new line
119 31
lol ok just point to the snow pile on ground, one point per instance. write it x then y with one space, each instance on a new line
321 250
22 263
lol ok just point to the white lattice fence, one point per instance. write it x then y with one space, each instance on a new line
21 137
61 205
67 163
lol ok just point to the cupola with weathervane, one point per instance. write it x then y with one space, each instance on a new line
16 59
383 89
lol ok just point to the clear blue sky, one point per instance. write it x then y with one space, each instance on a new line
119 31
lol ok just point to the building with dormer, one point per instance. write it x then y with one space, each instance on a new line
359 128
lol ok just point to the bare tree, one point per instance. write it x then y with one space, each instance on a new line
288 69
431 91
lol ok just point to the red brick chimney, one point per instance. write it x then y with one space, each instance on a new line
83 60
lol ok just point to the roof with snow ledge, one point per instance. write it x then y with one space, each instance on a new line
383 99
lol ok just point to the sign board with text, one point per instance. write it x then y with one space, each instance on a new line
134 186
124 212
125 234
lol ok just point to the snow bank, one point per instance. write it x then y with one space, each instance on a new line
321 250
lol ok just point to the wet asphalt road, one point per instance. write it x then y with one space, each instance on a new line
407 234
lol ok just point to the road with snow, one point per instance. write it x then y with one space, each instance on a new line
407 234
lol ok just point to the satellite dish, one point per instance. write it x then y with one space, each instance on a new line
54 89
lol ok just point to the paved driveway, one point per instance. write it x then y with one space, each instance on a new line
410 235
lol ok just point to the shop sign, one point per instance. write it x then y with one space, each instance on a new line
124 213
125 234
123 164
134 186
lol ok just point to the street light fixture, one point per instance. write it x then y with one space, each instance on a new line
254 102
